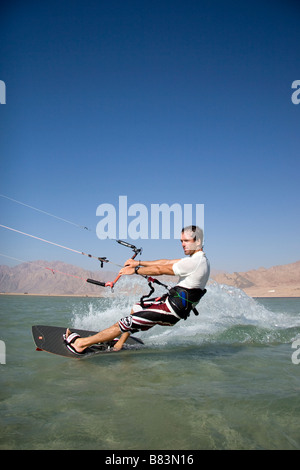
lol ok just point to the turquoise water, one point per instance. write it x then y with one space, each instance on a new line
223 380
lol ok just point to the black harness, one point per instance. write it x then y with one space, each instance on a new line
181 299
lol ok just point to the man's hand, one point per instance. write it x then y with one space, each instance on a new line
127 270
131 263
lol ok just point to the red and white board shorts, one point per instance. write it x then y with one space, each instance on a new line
154 313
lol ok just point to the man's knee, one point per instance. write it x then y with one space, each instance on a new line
116 325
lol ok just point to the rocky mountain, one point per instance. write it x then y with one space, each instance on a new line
51 278
58 278
278 281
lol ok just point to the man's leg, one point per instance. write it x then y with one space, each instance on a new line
80 344
119 344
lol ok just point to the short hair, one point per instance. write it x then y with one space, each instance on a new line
197 231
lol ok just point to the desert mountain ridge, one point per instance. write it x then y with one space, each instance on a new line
51 278
58 278
277 281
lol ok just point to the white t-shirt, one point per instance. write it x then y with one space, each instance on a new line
193 271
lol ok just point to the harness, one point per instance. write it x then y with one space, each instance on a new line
181 299
184 300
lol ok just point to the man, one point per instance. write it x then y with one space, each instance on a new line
193 275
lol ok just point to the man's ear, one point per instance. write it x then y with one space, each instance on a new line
198 243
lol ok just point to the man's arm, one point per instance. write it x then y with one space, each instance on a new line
150 268
156 270
160 262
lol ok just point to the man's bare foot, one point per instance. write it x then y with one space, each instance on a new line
75 344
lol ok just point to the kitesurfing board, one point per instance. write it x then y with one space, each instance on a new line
50 339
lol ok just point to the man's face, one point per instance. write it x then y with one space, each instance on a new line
189 245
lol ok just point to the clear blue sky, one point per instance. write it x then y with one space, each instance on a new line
183 102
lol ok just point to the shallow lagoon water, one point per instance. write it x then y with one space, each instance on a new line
223 380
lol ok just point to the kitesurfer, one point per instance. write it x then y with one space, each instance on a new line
193 275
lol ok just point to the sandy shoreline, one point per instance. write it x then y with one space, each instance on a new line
276 292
